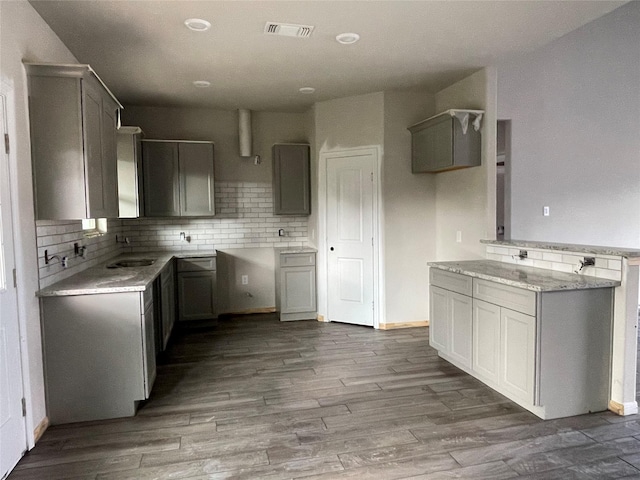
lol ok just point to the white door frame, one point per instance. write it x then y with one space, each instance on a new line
323 258
6 106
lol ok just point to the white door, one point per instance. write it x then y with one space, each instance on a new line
350 230
13 439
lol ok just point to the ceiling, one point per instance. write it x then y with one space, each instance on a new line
145 54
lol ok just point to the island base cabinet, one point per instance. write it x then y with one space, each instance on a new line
96 366
549 352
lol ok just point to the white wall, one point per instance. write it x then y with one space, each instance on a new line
25 36
575 143
409 210
341 124
466 198
221 127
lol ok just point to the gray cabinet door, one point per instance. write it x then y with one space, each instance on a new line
298 289
149 350
432 147
291 180
109 159
439 319
168 305
131 203
196 179
92 115
160 171
196 295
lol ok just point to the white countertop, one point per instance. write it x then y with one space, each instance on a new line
567 247
529 278
100 279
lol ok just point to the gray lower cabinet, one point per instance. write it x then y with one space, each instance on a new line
178 178
99 354
167 303
291 179
73 142
131 204
197 288
546 351
296 285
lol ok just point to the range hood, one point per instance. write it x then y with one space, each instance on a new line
245 140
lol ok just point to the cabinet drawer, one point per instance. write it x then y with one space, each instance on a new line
517 299
450 281
196 264
297 259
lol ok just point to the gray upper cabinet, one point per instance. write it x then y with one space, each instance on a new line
178 178
73 142
130 172
291 179
442 143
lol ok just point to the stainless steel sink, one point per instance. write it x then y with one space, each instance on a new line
132 262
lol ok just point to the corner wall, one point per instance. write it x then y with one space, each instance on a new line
466 198
25 36
409 210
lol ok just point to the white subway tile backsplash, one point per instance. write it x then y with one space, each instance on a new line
615 265
552 257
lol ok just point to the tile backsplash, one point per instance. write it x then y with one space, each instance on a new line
607 266
244 219
58 237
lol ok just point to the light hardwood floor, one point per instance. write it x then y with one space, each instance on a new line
254 398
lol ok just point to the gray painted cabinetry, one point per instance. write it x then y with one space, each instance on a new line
178 178
440 143
73 142
99 354
130 189
547 351
296 285
167 303
291 179
197 287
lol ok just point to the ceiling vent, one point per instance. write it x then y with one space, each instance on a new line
288 29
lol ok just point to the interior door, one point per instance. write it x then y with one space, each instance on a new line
350 228
13 435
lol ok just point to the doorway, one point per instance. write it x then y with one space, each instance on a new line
13 434
351 230
503 183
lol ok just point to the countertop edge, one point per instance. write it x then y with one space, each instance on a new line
597 282
567 247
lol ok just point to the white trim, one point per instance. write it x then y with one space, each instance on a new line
7 92
378 257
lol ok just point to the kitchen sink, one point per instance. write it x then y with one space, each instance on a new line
132 262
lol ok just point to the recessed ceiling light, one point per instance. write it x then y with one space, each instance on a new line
347 38
202 83
307 90
197 24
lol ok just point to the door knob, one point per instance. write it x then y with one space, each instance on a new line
331 249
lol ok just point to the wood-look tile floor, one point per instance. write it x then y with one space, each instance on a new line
254 398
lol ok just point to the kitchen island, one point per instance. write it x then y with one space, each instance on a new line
540 337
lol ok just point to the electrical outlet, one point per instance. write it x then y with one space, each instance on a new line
459 236
545 211
245 279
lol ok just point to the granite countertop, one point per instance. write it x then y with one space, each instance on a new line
568 247
296 250
100 279
529 278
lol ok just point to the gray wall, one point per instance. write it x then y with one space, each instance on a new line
575 111
409 210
